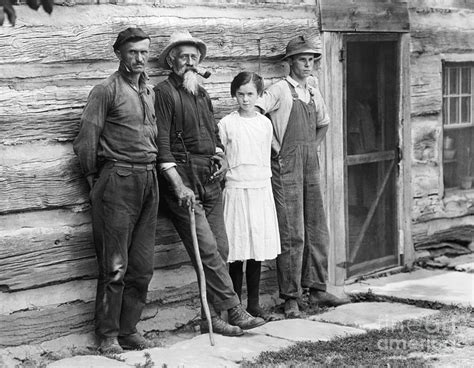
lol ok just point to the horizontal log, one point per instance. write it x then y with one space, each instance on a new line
65 313
52 252
54 112
36 326
92 39
39 176
46 322
364 16
441 4
443 230
162 289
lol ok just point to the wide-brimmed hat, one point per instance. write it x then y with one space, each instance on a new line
129 34
302 45
181 38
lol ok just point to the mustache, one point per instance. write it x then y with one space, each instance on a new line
200 71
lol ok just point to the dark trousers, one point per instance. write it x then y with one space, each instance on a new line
124 217
210 229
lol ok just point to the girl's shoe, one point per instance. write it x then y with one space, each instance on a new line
259 312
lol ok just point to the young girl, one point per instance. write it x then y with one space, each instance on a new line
249 210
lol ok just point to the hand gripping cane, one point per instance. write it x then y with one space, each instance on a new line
202 277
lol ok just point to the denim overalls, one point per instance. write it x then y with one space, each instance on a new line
301 216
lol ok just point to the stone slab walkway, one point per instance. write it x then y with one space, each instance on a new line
441 286
447 287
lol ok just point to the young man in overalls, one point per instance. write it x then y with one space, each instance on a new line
300 122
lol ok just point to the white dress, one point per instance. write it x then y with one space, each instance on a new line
249 209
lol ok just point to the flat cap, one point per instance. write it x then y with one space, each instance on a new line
129 34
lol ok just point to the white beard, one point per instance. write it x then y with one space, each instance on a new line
191 82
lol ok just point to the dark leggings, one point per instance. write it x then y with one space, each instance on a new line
252 276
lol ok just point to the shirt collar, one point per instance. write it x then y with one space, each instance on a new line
295 84
124 72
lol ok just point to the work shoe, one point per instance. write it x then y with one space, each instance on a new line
258 311
134 341
324 299
291 308
110 345
238 316
221 327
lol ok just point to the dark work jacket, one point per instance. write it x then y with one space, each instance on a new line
199 128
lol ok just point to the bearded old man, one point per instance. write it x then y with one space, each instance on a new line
192 163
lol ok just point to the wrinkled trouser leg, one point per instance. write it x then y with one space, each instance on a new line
302 223
124 216
315 255
220 292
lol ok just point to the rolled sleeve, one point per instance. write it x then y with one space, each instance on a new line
322 118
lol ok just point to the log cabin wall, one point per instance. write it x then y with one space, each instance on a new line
440 31
48 65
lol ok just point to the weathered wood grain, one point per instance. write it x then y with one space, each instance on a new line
426 83
364 16
225 36
170 291
52 112
440 230
54 252
39 176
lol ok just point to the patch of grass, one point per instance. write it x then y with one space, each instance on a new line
412 343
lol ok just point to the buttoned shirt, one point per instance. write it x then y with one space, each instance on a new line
118 123
277 101
199 128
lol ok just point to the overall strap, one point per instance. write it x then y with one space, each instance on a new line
178 116
293 90
178 108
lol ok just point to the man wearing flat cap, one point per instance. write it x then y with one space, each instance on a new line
192 163
117 150
300 122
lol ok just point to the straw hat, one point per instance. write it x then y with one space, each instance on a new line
181 38
302 45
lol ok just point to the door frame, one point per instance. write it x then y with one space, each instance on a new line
332 82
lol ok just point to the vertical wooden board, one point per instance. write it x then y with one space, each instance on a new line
332 86
404 180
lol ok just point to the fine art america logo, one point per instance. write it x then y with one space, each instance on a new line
421 334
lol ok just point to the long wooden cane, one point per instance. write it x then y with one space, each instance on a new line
202 277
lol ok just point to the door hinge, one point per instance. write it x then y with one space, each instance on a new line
341 55
344 264
399 154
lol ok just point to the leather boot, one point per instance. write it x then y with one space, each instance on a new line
324 299
292 309
239 317
110 345
134 341
221 327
